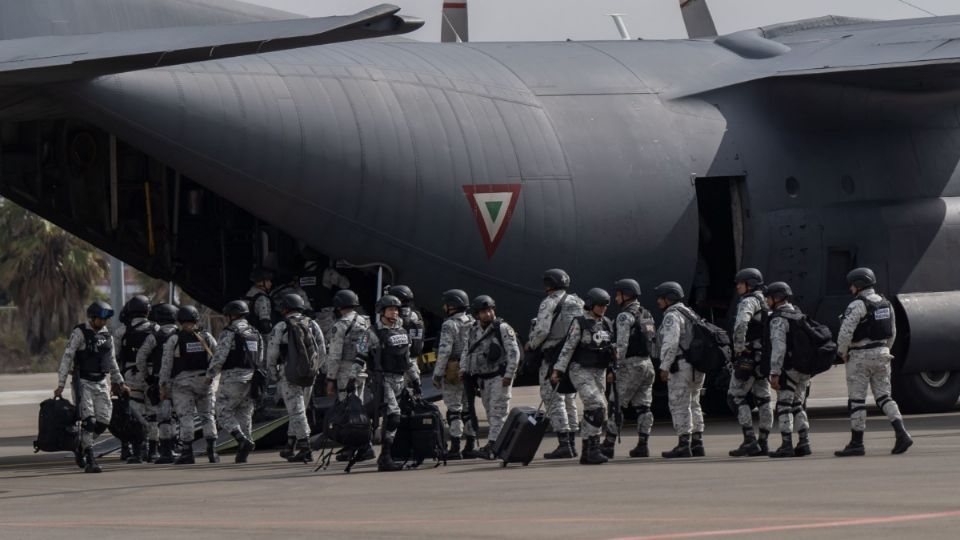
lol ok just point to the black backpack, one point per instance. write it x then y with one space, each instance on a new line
302 363
814 350
420 434
57 429
710 347
346 424
124 425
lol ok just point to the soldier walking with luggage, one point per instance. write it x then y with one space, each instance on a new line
446 371
790 384
129 337
149 360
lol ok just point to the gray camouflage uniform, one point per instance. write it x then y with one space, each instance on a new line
451 348
94 399
261 310
868 365
793 384
190 391
491 374
749 306
685 383
547 337
134 380
343 364
294 396
635 374
589 381
159 417
234 404
393 383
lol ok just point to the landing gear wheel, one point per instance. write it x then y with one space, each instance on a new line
927 391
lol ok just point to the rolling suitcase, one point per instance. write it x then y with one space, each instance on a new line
521 436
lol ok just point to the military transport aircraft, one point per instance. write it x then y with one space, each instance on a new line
196 139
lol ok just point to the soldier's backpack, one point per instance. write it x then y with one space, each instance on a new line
124 425
813 348
710 347
57 430
420 434
302 363
346 424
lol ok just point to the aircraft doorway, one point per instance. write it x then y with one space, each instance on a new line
720 245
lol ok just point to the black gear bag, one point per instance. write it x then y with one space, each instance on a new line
57 426
709 349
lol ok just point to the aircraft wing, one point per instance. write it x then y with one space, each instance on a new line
62 58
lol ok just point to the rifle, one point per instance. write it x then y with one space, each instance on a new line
378 384
615 403
470 393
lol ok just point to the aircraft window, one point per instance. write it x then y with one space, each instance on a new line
847 184
793 187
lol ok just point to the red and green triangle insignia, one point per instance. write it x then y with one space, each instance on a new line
493 206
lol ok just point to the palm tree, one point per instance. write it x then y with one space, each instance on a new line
48 273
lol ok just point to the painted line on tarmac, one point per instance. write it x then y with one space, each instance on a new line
803 526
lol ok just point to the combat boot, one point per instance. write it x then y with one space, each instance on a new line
591 454
212 455
469 451
762 442
186 455
244 446
91 466
152 453
803 445
696 445
453 453
385 462
608 447
166 452
904 440
79 458
786 447
124 450
854 447
303 452
681 450
564 447
486 452
641 450
287 450
749 446
136 453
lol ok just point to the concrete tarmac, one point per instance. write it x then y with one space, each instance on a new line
916 495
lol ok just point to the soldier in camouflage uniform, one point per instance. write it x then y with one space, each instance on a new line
385 348
186 357
791 385
446 372
237 355
129 337
587 353
866 335
491 356
751 370
89 357
411 317
635 344
259 302
554 316
295 397
159 411
683 381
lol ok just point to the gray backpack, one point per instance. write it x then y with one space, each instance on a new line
303 356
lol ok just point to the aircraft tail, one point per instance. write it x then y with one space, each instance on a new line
697 19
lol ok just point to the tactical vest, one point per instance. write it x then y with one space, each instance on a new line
131 342
639 343
767 344
245 350
394 350
193 355
597 351
877 325
493 362
755 326
156 355
414 330
92 359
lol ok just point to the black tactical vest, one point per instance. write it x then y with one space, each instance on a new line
131 342
245 350
156 355
414 330
599 351
877 325
193 354
394 350
639 343
91 361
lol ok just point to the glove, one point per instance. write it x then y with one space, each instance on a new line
417 391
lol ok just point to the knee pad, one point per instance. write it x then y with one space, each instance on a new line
89 424
856 405
452 415
392 422
761 401
594 417
642 409
99 428
883 400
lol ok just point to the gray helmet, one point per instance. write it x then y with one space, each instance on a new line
556 278
188 314
404 293
292 302
671 290
236 308
139 305
751 276
387 300
596 297
345 298
163 314
862 278
779 291
99 310
456 299
628 287
260 274
481 303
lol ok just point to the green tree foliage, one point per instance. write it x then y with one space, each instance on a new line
48 273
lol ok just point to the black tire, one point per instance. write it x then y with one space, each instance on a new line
927 392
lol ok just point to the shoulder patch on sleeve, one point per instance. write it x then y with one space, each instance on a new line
623 318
